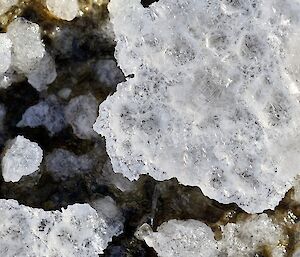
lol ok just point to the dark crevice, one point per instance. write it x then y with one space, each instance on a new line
147 3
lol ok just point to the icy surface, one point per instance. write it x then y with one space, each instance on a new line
48 113
63 9
5 52
247 238
181 239
81 113
213 96
22 157
76 231
28 49
5 5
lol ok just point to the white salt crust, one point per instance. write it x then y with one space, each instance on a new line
76 231
214 96
63 9
195 239
22 157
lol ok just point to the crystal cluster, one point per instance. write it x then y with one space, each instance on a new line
211 100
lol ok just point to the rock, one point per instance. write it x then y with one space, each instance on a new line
28 48
209 99
63 9
5 52
75 231
48 113
22 157
5 5
81 113
44 74
180 238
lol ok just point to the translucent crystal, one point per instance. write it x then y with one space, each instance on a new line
63 9
5 52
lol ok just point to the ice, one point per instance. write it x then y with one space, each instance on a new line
211 97
5 5
77 231
63 9
28 49
21 157
180 238
81 113
5 52
48 113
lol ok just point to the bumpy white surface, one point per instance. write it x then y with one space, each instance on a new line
5 52
74 232
5 5
193 238
22 157
81 113
178 238
213 100
48 113
63 9
249 237
28 49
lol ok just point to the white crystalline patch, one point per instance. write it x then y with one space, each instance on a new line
5 52
74 232
5 5
44 74
63 9
195 239
81 113
48 113
212 100
22 157
178 238
251 236
28 49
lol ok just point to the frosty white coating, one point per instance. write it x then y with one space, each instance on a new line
181 239
76 231
214 96
247 238
5 52
28 49
5 5
195 239
22 157
63 9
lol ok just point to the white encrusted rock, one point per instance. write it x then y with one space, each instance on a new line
5 52
48 113
81 113
212 99
21 157
247 238
28 48
63 9
5 5
178 238
75 231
